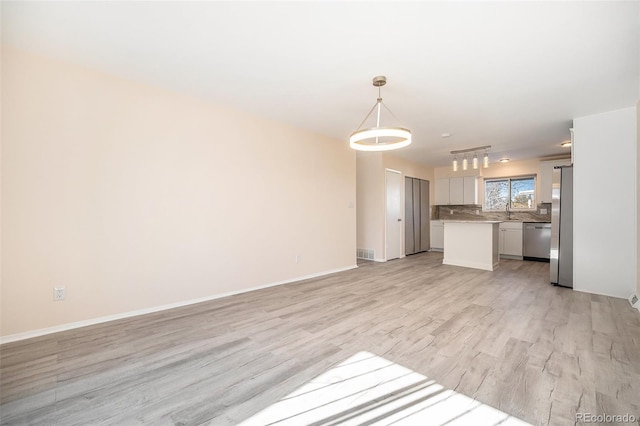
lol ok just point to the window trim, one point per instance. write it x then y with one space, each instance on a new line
509 179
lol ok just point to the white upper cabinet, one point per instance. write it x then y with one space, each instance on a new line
442 192
546 175
457 190
470 190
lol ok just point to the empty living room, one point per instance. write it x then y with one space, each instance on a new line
319 213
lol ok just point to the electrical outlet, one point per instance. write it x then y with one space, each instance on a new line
59 293
298 258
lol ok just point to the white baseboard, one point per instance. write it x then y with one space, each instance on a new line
467 264
70 326
587 291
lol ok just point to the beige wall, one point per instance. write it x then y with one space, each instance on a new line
370 204
133 197
371 168
408 168
447 172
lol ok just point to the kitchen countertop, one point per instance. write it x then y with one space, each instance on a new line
471 221
488 220
528 221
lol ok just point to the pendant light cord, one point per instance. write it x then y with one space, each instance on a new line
377 104
390 112
367 116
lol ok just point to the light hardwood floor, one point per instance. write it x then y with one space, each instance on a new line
506 338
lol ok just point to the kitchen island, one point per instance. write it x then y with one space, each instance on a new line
471 243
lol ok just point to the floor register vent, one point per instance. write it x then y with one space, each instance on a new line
365 254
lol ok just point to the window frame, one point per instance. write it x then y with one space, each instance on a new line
508 179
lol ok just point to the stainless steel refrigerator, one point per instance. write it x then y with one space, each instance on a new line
561 261
417 223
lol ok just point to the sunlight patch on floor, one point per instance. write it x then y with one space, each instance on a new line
368 389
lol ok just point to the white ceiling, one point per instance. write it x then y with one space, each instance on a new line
507 74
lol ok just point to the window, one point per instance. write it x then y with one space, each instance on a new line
518 192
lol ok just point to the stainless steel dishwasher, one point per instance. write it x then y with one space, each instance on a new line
536 241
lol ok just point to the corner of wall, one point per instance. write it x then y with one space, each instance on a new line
597 270
370 204
637 197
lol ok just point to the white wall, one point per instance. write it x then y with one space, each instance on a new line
605 203
135 197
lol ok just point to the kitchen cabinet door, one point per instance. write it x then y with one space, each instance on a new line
456 190
546 173
437 235
470 190
512 242
510 239
442 192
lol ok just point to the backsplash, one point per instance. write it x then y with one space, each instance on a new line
474 212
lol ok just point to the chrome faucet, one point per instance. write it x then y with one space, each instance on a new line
508 211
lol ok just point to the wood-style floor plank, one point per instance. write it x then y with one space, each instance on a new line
505 338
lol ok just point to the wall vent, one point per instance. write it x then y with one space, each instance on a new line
367 254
